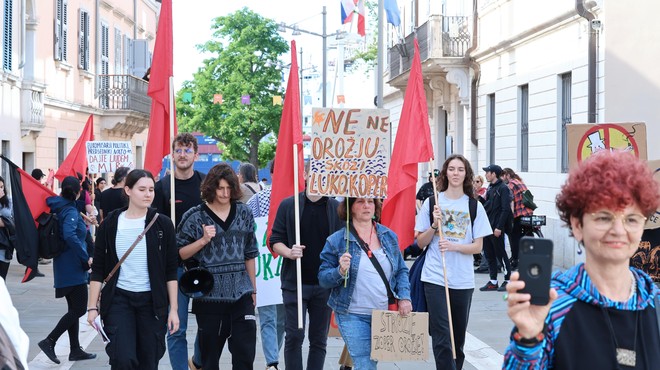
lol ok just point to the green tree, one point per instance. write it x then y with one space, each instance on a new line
245 48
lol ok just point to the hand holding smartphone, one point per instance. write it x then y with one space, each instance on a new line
535 268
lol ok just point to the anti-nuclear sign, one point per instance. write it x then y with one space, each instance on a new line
268 269
350 152
107 156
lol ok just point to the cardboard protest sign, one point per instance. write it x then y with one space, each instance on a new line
334 328
398 338
267 269
107 156
654 221
350 152
587 139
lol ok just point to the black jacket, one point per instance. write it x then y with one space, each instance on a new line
161 258
8 237
284 232
498 205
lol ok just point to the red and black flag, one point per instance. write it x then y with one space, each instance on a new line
26 211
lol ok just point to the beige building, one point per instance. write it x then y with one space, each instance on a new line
65 60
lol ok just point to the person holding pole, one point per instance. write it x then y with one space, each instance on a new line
370 244
448 273
219 236
187 183
318 220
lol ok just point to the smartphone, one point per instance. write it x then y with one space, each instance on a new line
535 268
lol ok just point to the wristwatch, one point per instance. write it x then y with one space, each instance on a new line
434 228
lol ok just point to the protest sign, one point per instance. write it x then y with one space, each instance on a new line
399 338
587 139
107 156
267 269
350 152
654 221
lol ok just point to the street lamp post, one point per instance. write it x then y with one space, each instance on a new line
324 35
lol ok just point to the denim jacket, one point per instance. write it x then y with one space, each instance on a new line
329 276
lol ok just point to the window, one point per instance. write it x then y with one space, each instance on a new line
524 128
83 40
61 29
61 150
566 118
7 28
490 107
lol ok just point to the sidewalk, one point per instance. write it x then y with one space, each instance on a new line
488 330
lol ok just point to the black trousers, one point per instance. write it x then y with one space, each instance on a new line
495 251
137 335
236 323
514 238
436 303
314 304
76 301
4 268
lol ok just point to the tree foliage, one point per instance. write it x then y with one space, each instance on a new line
245 48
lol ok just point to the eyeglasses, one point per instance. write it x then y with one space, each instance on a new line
604 221
187 151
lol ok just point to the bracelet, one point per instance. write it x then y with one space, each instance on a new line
530 342
92 309
434 228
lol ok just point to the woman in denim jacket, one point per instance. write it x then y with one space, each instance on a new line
365 290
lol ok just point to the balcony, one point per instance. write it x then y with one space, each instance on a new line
125 103
32 107
444 39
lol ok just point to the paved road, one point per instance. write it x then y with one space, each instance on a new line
39 311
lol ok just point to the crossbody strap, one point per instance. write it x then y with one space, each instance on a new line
657 309
135 243
374 261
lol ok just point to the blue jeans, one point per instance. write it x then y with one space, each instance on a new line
356 331
271 321
177 345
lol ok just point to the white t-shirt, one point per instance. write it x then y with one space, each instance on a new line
134 272
457 229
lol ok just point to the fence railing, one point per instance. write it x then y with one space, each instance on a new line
123 92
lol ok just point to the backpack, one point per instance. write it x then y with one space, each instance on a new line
417 296
51 243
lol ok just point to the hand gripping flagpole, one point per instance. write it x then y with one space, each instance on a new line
444 265
296 212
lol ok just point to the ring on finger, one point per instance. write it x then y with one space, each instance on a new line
505 296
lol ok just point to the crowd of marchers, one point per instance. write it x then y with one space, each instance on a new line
125 271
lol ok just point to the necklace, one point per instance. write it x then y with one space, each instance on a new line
368 241
624 356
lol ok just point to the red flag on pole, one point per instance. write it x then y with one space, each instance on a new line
26 209
412 145
290 134
158 140
76 161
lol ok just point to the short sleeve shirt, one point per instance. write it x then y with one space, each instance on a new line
456 227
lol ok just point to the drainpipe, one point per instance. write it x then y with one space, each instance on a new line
476 68
23 20
591 60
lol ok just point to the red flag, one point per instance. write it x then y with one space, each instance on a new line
158 140
290 133
26 209
76 161
412 145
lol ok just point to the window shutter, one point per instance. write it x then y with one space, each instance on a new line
140 57
118 57
83 47
125 53
7 36
57 31
65 29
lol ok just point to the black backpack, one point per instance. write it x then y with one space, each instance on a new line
51 243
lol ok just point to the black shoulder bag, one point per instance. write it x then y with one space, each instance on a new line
392 302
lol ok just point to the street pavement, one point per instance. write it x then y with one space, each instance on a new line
488 330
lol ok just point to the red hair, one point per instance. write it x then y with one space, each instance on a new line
610 180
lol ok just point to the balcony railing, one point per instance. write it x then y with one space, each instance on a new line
123 92
439 37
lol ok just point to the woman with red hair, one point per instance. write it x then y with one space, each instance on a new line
602 313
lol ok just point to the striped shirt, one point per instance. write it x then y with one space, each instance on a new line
134 272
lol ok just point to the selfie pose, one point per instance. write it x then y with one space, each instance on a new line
601 313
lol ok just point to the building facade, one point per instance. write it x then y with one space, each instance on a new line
64 60
532 69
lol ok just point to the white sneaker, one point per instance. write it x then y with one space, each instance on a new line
271 367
